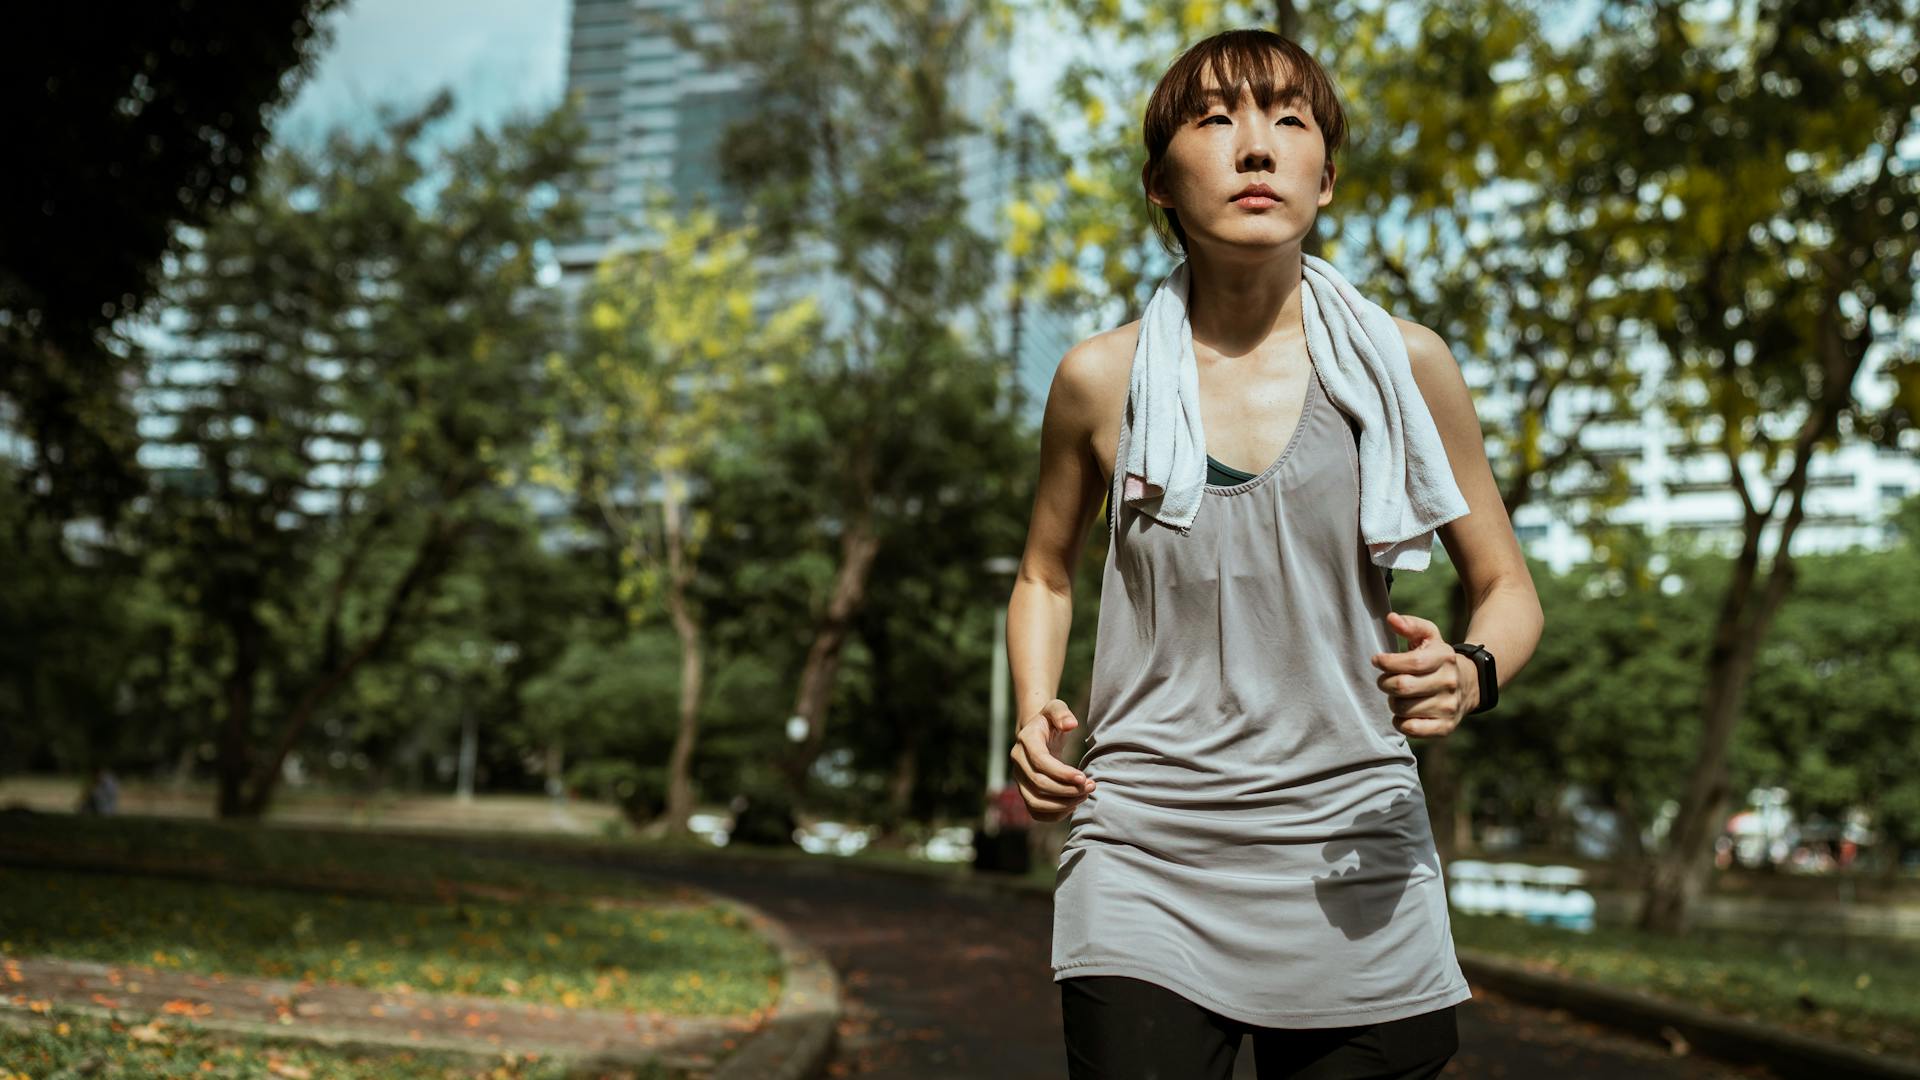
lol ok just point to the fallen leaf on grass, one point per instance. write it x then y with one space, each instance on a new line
183 1007
152 1032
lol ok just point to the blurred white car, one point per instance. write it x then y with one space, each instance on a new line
831 838
715 829
953 844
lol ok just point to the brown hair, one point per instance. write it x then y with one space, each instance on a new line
1232 55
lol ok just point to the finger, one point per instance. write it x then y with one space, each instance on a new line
1044 804
1052 721
1412 627
1048 773
1425 706
1416 683
1060 720
1423 697
1421 661
1423 727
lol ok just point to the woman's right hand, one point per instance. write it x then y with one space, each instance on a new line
1051 787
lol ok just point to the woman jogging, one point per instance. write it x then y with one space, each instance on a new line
1248 849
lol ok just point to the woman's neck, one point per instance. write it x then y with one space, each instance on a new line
1236 306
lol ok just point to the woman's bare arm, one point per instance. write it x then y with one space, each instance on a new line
1066 501
1505 609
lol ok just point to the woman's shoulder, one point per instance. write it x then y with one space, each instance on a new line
1423 344
1095 371
1106 350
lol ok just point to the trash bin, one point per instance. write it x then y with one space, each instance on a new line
1008 849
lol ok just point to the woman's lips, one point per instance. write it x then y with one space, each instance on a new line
1255 202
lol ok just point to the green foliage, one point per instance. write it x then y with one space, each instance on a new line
670 340
157 124
613 706
1809 987
1611 698
61 624
354 364
1832 701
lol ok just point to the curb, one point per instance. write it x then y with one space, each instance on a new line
798 1040
1788 1055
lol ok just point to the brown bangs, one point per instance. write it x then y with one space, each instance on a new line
1274 70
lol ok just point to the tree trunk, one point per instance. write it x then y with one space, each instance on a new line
859 545
680 796
233 762
900 785
1678 875
242 795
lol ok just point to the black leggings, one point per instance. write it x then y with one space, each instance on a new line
1121 1028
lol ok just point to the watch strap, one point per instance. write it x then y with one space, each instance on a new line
1489 682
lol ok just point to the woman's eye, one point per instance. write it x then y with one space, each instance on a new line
1223 116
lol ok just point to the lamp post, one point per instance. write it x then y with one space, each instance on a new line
1002 568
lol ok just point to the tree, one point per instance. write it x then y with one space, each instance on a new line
670 343
356 357
1771 274
149 120
862 106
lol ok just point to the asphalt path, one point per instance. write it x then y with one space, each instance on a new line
950 985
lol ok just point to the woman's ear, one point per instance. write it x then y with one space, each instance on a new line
1149 179
1326 183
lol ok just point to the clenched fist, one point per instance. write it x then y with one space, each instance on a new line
1430 687
1051 787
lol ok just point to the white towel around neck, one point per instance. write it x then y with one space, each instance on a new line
1407 489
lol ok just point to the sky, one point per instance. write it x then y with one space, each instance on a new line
500 57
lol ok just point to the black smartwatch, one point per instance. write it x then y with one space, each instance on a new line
1489 685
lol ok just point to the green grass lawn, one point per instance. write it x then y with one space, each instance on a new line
1870 1001
64 1043
683 960
394 865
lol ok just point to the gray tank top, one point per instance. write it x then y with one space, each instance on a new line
1258 840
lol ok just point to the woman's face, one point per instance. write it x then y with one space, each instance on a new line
1215 156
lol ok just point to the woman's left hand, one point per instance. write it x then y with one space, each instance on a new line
1430 686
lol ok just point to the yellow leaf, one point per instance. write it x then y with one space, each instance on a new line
606 318
1197 15
1060 278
